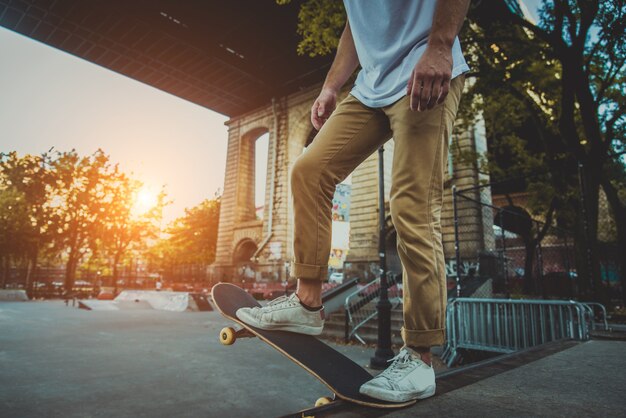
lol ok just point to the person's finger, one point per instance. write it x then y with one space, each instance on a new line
416 87
321 110
434 98
426 92
315 119
445 88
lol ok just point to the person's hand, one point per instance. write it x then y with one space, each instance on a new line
430 80
323 106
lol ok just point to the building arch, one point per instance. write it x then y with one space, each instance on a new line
252 134
243 251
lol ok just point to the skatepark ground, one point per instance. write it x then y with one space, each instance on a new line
61 361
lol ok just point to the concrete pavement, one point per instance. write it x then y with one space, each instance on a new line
62 361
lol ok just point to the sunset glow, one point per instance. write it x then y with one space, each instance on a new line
145 200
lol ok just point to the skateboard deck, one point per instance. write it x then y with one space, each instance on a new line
340 374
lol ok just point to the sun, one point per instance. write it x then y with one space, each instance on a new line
145 199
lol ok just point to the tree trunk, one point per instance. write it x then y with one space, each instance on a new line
591 196
116 273
30 273
621 240
70 272
620 222
586 235
619 216
4 267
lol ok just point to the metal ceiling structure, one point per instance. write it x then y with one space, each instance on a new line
228 56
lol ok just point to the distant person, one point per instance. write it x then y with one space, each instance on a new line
408 88
158 285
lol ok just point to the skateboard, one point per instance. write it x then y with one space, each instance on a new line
336 371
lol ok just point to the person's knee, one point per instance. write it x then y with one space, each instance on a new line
409 211
301 172
307 173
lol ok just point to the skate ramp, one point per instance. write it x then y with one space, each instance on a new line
150 299
166 301
111 305
200 302
13 295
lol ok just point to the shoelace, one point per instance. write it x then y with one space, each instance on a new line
399 362
279 302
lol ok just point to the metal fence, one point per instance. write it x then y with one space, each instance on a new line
360 305
523 256
505 325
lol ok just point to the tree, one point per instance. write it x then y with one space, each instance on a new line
27 185
125 224
191 240
320 23
587 42
13 229
82 199
525 150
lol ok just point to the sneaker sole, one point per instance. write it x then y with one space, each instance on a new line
390 396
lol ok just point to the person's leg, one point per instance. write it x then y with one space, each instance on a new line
351 134
416 197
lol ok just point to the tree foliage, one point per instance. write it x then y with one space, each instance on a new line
191 240
320 23
27 220
74 206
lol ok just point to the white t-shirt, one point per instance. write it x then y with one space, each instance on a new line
390 36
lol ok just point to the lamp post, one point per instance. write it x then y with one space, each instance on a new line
383 347
286 282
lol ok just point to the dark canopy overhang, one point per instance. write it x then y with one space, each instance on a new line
230 56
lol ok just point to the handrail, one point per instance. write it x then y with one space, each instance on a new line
357 312
589 305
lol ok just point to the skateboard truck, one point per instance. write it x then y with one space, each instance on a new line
229 335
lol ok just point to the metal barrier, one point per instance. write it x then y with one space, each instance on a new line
589 305
360 305
507 325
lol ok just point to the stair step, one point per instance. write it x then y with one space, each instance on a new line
368 337
374 320
334 327
341 315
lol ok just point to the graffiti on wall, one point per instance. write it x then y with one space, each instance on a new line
341 203
465 268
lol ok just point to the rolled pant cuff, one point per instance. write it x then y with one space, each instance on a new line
308 271
423 338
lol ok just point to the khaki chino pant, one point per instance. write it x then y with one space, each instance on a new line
351 134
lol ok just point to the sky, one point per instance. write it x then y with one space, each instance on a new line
49 98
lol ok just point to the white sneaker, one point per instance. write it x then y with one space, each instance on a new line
284 313
407 378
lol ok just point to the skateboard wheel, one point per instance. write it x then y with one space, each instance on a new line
324 400
227 336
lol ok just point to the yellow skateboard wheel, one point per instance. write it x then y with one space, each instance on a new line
227 336
322 401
